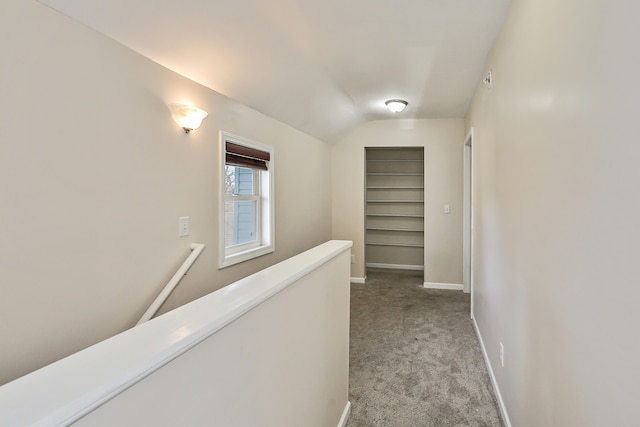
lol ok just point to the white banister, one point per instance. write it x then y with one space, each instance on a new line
196 249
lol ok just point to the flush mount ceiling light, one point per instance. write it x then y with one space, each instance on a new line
396 105
187 116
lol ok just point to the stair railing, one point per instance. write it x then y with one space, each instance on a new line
196 249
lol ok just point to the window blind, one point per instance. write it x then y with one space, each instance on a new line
246 157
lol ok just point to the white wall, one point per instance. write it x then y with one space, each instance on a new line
443 141
94 174
556 211
283 363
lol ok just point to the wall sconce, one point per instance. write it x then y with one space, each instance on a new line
187 116
396 105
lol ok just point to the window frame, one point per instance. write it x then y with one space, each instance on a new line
265 219
255 197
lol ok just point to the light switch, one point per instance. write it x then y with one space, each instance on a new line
447 209
183 226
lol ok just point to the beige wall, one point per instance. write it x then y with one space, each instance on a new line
442 140
94 174
556 212
283 363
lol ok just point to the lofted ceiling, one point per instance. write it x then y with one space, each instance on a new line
321 66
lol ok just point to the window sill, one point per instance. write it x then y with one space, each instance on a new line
239 257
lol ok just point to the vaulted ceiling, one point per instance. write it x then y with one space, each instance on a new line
321 66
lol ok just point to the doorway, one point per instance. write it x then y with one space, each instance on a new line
394 216
467 261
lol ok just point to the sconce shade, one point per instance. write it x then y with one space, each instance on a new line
396 105
187 116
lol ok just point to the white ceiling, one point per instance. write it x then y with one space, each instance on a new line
321 66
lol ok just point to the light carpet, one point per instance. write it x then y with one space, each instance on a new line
414 357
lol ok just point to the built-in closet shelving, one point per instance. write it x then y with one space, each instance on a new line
395 207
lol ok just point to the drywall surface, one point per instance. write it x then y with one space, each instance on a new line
283 363
556 208
94 174
443 141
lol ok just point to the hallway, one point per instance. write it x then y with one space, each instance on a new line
414 356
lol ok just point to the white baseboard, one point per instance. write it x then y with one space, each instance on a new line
396 266
359 280
448 286
503 409
345 415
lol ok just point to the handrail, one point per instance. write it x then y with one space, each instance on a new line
196 249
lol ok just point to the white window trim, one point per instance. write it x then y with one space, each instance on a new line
267 218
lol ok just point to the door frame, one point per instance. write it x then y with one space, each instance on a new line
467 258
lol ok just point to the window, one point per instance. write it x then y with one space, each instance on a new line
246 217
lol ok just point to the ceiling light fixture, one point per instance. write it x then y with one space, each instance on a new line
187 116
396 105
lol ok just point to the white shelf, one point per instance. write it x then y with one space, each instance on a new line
394 229
395 201
400 245
400 187
395 174
397 160
390 215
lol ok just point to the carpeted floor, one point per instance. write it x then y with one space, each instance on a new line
415 360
